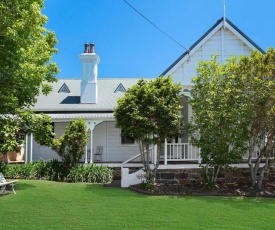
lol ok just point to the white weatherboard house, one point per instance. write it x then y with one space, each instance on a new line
94 100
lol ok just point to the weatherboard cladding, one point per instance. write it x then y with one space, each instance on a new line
70 102
205 35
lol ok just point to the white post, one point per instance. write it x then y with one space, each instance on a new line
91 125
155 153
165 151
199 155
31 148
26 148
86 154
125 183
91 146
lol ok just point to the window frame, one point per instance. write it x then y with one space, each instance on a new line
126 140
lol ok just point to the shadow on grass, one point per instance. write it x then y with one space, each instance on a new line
19 186
111 191
5 194
23 186
242 203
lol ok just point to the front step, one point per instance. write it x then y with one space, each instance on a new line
128 179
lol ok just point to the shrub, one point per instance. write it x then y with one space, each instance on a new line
99 174
71 145
39 170
90 174
2 166
13 171
54 170
77 174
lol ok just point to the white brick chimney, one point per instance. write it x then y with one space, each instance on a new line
89 60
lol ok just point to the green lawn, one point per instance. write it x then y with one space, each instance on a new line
52 205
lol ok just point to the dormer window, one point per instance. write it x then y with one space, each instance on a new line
120 88
64 89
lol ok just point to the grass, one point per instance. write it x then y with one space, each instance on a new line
52 205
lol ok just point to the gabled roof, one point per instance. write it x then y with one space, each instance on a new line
221 22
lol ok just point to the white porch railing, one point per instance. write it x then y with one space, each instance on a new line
188 152
181 152
255 155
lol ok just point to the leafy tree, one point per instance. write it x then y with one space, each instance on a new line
219 127
26 47
149 113
258 93
71 145
39 125
233 107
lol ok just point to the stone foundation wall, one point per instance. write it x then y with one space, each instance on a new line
189 176
179 176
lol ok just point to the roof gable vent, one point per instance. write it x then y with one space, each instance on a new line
120 88
64 89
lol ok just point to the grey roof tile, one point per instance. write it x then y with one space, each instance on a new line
64 102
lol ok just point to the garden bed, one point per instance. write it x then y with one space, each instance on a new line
223 189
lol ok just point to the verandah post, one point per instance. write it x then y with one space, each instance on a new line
165 151
31 148
91 146
86 154
26 148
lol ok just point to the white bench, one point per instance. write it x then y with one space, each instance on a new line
4 184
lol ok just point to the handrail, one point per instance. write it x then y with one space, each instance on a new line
132 158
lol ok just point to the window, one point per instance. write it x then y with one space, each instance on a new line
120 88
64 89
126 139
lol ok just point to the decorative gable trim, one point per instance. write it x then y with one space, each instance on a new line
64 89
221 22
120 88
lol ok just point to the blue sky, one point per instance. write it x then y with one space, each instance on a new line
129 46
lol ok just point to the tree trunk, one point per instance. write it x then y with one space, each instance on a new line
250 164
265 170
207 171
216 174
157 162
142 156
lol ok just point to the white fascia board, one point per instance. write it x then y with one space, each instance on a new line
238 35
68 117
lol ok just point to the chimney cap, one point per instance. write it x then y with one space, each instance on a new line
92 47
86 48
